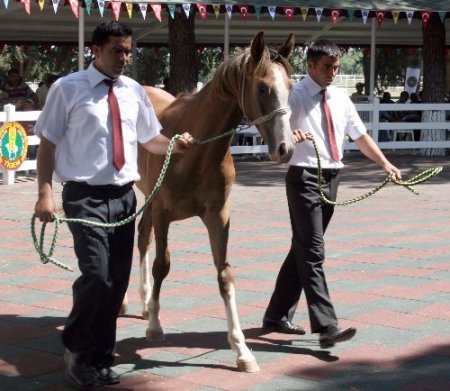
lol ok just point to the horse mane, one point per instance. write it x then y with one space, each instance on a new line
227 79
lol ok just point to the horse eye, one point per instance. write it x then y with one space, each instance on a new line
262 89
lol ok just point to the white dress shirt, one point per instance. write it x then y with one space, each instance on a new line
77 120
307 115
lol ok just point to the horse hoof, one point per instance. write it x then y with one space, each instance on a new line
145 315
154 335
248 366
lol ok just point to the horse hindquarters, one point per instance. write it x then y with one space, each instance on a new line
218 228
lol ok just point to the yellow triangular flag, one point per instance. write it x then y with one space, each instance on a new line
395 15
216 8
304 12
129 9
41 4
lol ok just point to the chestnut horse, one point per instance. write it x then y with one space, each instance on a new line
254 84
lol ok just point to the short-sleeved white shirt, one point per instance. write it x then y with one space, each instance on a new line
307 115
77 120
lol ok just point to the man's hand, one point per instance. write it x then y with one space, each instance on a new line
45 208
184 142
391 169
300 135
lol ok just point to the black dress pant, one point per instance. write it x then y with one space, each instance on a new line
302 269
104 259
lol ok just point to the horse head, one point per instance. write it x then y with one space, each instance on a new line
264 93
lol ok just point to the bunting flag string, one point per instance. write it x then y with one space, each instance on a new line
202 9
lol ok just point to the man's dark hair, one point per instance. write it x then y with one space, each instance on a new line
322 47
104 30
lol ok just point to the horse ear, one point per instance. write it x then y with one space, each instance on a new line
287 47
258 46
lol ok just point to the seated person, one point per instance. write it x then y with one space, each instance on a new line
358 96
385 116
16 90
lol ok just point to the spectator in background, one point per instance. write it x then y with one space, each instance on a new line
42 91
404 97
385 116
358 96
16 90
414 115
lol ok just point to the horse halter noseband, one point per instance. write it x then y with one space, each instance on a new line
264 118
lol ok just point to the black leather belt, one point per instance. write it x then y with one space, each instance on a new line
127 186
325 171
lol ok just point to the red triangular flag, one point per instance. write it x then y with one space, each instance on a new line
426 15
26 6
244 12
335 15
289 12
380 17
157 10
202 9
115 5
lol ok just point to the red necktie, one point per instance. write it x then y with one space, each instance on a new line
330 126
118 153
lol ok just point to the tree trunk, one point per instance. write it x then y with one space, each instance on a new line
433 81
183 53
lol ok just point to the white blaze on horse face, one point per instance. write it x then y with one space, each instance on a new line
281 128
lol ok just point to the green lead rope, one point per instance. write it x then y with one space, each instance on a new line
48 257
407 184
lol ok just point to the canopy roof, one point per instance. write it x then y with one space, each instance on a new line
346 25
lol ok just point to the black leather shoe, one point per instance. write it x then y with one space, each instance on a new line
333 334
106 376
282 326
78 371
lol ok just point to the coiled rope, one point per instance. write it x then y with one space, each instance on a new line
48 257
39 244
407 184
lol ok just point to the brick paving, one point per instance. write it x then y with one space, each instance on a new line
388 268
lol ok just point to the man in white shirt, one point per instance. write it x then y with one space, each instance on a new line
310 215
76 129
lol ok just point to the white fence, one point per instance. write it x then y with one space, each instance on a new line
252 143
400 133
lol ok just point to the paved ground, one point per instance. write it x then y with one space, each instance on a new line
388 269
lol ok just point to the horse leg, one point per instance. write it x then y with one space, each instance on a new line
144 239
218 228
160 270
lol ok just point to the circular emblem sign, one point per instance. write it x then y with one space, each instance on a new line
13 145
412 81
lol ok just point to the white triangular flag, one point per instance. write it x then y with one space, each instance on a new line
55 5
365 15
272 10
101 7
319 13
229 9
187 9
143 7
